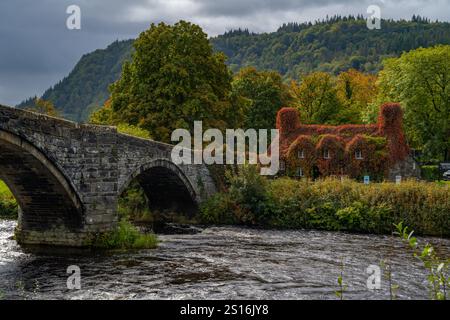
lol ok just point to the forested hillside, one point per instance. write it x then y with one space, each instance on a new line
333 45
86 87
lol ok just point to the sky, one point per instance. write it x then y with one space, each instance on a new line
37 49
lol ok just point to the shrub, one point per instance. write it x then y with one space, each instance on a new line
133 131
125 236
334 204
218 209
430 173
249 192
134 205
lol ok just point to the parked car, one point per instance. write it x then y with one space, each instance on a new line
446 175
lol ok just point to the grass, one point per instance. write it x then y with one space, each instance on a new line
126 236
8 204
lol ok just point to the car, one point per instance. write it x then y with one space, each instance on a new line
446 175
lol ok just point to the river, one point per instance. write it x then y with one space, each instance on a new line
218 263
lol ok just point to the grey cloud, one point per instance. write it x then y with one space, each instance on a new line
36 49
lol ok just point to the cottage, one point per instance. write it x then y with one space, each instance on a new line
378 150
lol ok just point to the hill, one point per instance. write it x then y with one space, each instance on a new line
332 45
86 87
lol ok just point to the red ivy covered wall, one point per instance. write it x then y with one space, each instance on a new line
334 149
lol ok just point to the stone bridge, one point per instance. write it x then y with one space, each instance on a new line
67 177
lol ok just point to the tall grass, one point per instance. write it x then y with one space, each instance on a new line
333 204
125 236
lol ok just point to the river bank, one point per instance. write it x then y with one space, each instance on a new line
330 204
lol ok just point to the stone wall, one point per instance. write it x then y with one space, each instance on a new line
67 176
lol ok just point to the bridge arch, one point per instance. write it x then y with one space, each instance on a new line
165 185
46 198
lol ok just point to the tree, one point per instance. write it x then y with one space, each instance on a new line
44 107
420 80
263 94
355 91
316 99
173 80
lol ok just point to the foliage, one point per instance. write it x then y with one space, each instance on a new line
419 80
342 287
133 131
375 159
316 98
248 191
8 204
430 173
41 106
263 94
355 91
133 204
334 147
125 236
334 204
301 154
390 122
218 209
174 79
331 45
438 268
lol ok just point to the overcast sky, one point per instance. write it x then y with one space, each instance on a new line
37 49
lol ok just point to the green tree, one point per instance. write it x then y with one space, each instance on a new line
173 80
316 99
420 80
263 94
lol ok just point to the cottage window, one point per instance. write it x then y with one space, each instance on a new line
301 154
299 172
326 154
358 154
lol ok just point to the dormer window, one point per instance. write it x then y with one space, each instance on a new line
301 154
358 154
326 154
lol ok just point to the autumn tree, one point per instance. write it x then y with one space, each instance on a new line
173 80
44 107
355 91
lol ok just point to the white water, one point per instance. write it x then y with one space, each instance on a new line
218 263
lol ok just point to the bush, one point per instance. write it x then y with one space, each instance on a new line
218 209
8 204
431 173
126 236
134 205
334 204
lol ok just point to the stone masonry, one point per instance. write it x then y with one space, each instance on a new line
67 177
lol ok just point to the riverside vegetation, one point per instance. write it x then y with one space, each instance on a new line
329 204
8 204
252 200
125 236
